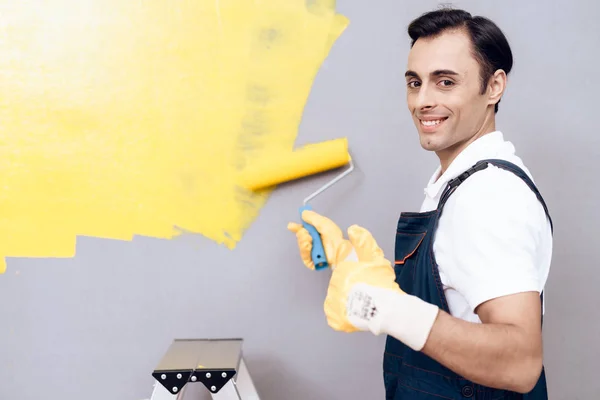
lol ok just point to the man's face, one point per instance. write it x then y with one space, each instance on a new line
444 94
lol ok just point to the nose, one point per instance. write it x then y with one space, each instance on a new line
425 99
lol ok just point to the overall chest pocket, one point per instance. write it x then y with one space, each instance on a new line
406 255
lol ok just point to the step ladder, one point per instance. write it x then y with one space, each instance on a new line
218 364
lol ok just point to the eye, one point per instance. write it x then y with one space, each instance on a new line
447 82
413 84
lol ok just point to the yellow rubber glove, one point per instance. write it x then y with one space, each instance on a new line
336 247
364 296
372 268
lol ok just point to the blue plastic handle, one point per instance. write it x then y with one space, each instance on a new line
317 252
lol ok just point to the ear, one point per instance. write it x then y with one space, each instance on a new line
496 86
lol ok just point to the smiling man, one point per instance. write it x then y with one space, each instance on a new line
462 305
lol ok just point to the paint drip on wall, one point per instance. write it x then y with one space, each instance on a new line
122 118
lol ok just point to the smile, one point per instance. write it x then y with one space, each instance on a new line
431 125
432 122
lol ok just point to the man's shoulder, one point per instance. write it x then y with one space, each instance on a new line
499 191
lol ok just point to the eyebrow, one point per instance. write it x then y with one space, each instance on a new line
437 72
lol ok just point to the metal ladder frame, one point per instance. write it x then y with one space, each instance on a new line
218 364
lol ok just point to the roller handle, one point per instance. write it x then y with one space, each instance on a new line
317 252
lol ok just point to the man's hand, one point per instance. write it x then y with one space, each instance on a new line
364 296
336 247
349 305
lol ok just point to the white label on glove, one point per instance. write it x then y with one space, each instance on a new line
363 307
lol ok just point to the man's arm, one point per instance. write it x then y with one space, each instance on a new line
492 256
504 351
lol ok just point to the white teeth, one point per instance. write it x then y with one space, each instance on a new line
431 123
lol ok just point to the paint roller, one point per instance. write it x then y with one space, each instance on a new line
311 159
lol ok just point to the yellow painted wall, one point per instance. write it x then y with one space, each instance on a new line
122 118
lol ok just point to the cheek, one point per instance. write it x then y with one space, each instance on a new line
472 111
455 101
462 107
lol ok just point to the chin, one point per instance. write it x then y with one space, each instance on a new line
429 145
432 140
428 141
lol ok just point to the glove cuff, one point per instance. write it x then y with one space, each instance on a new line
391 311
409 319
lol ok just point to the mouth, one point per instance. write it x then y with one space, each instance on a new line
430 125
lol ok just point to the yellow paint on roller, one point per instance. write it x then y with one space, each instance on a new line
273 169
122 118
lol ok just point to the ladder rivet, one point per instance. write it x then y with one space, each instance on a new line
224 375
178 376
208 374
163 377
175 389
213 388
194 379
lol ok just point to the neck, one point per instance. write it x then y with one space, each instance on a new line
449 154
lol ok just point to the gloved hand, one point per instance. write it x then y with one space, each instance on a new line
336 247
364 296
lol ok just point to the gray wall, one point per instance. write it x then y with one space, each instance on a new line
93 327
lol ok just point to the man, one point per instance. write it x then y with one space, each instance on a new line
462 306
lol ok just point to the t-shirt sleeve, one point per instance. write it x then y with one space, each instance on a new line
496 227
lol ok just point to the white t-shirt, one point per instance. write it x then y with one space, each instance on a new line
493 238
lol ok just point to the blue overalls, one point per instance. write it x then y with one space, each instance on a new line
411 375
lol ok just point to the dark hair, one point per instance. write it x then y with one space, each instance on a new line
490 47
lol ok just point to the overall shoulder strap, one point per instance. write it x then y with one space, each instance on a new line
483 164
